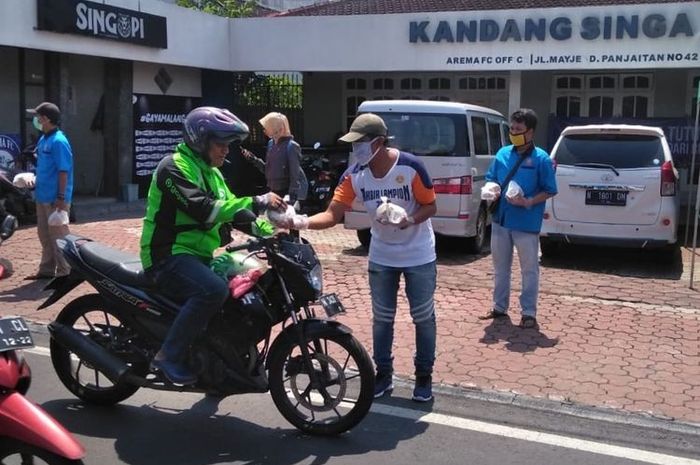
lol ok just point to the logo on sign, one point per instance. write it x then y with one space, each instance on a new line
9 151
124 25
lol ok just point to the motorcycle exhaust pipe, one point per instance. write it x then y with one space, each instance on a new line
91 352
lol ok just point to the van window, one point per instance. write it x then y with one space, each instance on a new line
428 134
619 150
505 128
495 136
481 140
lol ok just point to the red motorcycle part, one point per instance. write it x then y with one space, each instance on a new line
25 421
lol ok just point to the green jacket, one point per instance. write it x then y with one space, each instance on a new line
188 201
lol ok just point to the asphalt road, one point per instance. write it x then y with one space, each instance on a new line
173 428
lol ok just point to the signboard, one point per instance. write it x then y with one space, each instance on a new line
9 151
102 21
616 36
678 131
157 130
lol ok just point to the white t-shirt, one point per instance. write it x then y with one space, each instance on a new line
408 185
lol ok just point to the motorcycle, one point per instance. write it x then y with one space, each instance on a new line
320 377
323 180
8 226
18 201
27 432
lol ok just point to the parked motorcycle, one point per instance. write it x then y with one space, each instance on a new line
17 201
27 432
320 377
323 179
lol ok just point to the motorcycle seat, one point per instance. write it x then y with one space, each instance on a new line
122 267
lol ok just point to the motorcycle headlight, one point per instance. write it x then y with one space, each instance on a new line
316 278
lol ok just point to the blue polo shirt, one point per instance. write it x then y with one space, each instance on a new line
53 154
535 174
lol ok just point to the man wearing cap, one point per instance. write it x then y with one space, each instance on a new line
406 248
54 187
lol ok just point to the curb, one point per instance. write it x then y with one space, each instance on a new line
582 411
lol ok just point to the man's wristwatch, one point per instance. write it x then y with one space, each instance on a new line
60 196
411 220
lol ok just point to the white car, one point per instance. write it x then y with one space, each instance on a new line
617 187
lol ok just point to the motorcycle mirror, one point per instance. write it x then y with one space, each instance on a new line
317 145
7 227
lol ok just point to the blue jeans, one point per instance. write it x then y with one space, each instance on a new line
188 279
420 290
527 244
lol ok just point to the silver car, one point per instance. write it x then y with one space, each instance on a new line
617 187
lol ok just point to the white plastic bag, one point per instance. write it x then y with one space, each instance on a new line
23 180
390 213
490 191
281 218
514 190
58 218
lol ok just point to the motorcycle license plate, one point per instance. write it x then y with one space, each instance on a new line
331 304
14 334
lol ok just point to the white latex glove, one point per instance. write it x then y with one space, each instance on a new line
299 222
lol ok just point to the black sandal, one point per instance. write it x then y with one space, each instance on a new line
492 315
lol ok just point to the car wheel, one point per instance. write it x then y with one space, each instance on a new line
475 245
548 247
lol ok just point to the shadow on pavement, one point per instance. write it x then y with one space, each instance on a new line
656 264
517 339
149 435
28 290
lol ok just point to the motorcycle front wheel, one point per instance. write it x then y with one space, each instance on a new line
90 316
340 396
14 452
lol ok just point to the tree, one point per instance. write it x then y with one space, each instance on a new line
227 8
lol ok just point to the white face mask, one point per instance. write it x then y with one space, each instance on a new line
363 151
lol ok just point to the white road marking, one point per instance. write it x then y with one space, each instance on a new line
534 436
38 350
509 432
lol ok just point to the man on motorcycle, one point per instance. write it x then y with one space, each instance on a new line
188 202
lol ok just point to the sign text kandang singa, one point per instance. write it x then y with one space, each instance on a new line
560 28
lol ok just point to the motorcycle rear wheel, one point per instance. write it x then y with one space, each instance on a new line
15 452
89 315
346 373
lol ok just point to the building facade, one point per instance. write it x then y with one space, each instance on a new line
123 70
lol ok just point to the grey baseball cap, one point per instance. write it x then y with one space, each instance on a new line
48 109
366 124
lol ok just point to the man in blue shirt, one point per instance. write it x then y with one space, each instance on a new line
517 221
54 188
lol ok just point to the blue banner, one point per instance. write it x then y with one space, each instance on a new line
10 150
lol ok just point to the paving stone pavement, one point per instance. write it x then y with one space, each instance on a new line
618 329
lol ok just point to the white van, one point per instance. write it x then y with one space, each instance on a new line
457 142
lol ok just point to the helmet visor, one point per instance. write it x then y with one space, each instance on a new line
222 137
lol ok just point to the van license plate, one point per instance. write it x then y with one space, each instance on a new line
331 304
602 197
14 334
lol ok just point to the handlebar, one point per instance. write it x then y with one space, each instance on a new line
245 246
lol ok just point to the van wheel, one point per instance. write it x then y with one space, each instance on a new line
475 245
548 247
365 237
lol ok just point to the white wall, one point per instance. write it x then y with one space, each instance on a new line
187 82
381 42
194 38
358 43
